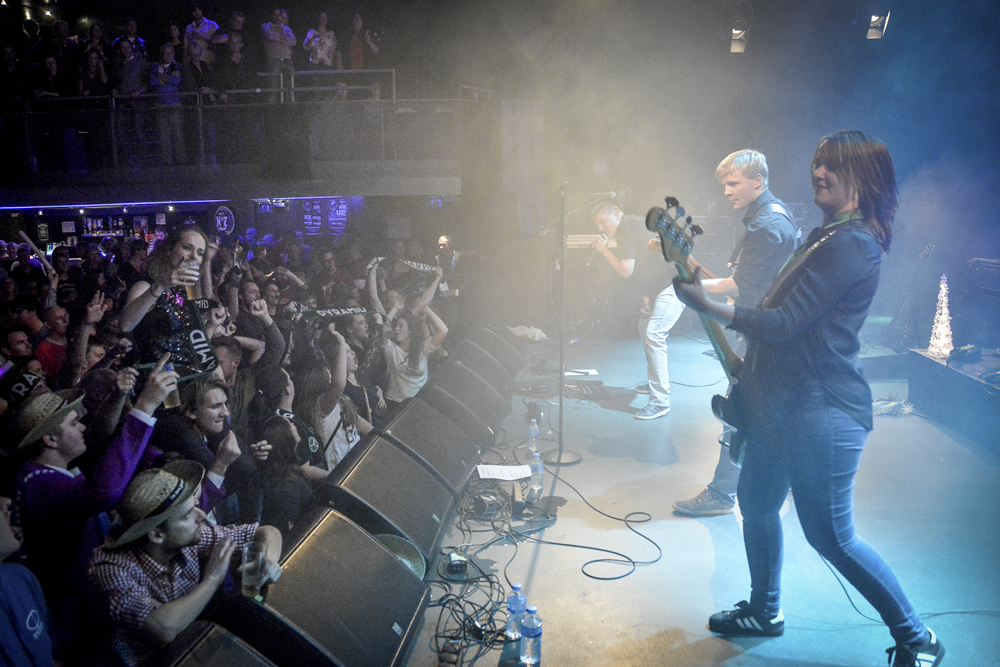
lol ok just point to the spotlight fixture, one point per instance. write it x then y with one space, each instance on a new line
877 16
739 15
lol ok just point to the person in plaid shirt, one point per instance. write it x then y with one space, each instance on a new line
161 563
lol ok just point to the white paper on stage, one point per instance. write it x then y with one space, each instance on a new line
507 473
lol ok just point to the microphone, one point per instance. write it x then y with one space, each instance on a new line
611 194
596 250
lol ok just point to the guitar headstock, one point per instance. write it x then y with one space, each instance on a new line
676 235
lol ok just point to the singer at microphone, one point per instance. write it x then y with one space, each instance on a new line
610 194
649 279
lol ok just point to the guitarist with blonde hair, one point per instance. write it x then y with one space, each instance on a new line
769 238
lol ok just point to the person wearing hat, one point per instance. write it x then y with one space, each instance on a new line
161 563
57 509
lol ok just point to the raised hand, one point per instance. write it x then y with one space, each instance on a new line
125 380
218 562
159 384
96 308
260 450
229 450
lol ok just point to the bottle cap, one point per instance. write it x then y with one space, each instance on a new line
516 587
534 421
532 609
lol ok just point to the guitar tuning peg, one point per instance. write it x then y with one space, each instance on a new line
680 210
695 229
671 202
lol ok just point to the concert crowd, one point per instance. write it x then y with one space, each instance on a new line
274 368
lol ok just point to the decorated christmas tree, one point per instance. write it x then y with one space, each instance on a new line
940 345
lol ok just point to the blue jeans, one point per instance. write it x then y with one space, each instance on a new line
806 444
664 313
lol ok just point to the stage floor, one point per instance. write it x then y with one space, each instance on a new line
926 497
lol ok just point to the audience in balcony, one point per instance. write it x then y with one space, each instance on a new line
175 36
321 43
94 80
362 45
165 82
96 41
131 35
278 41
201 30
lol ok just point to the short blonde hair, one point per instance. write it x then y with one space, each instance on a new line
748 162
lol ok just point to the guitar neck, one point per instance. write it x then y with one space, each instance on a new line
729 360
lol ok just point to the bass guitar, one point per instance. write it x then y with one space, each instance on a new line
676 242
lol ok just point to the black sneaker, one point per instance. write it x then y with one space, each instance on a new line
928 654
743 622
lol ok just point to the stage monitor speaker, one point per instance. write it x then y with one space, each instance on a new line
501 349
485 365
386 490
445 449
479 432
473 391
204 643
343 599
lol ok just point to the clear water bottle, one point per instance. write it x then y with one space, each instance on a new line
534 436
537 474
516 603
531 636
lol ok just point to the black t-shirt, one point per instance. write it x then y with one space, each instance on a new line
652 274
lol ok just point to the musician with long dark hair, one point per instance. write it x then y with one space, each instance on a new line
807 405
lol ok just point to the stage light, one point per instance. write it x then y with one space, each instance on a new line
876 14
739 41
877 26
739 14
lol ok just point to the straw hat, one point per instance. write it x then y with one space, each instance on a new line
41 415
152 497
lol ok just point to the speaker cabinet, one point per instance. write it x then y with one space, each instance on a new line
204 643
343 599
472 391
485 365
442 446
384 489
498 346
478 431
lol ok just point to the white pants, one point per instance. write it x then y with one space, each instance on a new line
666 310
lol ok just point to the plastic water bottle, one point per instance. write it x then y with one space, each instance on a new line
531 636
534 436
537 474
516 603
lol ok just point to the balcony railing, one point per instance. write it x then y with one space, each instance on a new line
303 117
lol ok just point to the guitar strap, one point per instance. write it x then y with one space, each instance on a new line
791 267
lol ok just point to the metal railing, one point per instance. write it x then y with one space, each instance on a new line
84 135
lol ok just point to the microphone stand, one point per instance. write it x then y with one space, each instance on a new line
558 457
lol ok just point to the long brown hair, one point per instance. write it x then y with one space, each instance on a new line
158 264
863 163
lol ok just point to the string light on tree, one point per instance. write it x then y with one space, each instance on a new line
940 345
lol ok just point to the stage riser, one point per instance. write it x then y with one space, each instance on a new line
955 398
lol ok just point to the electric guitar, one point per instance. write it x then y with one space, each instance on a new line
676 243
